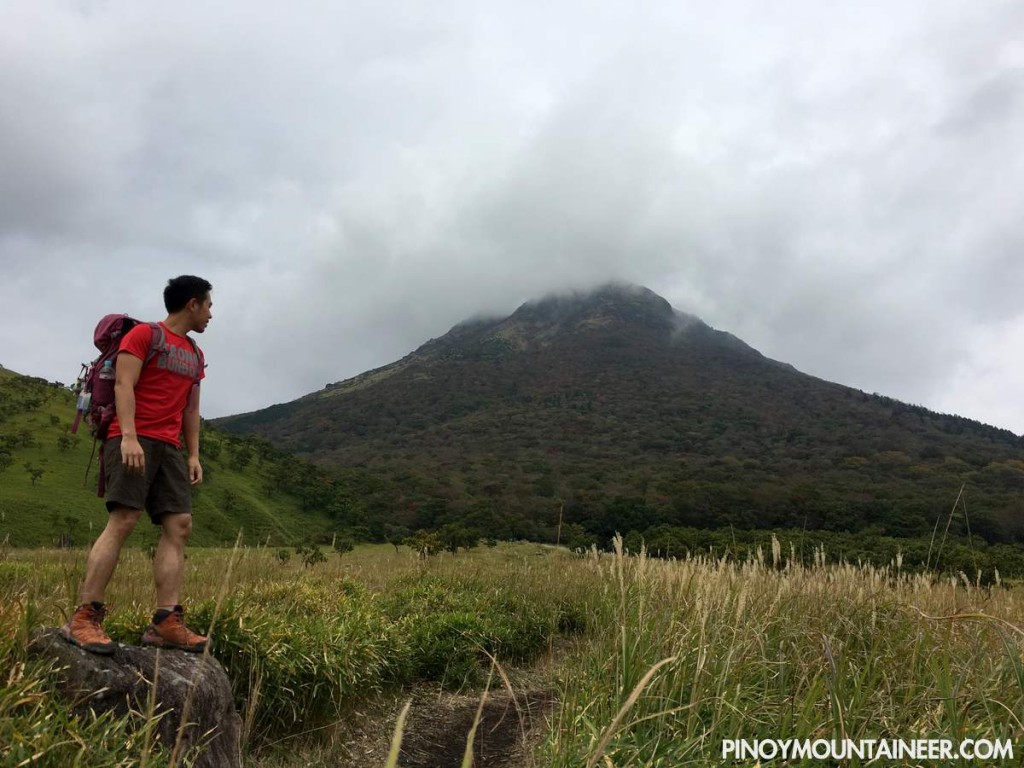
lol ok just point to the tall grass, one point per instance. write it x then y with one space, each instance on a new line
692 652
304 646
657 661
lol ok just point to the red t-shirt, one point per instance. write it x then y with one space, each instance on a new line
164 385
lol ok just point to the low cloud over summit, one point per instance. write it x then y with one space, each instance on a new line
838 186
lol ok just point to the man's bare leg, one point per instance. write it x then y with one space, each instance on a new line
85 626
168 628
105 552
169 560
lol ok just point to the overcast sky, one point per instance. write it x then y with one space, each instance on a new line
839 185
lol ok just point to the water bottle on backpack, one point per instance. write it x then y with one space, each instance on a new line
103 387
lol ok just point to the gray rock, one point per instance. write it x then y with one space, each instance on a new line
185 682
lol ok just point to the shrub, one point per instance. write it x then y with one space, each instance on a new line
311 554
343 544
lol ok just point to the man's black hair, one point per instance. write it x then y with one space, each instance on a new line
181 290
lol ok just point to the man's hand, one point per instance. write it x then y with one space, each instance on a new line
132 455
195 470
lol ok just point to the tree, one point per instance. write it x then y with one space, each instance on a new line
311 554
455 536
633 542
424 543
577 537
314 490
241 455
211 448
343 544
34 472
342 507
261 447
395 535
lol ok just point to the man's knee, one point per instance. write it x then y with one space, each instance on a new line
121 520
178 526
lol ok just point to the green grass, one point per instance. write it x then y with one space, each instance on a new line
303 646
63 502
658 661
755 651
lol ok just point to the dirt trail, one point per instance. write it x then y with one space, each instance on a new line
435 732
437 728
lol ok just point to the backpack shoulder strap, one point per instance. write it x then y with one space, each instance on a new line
159 344
156 345
199 355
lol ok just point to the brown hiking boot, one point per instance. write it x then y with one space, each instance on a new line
85 629
171 632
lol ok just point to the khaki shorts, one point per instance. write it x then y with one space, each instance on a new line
165 487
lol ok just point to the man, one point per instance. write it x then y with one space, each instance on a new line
144 469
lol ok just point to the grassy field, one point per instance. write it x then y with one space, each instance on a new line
48 485
653 662
767 650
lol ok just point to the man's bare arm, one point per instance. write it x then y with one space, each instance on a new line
128 369
190 426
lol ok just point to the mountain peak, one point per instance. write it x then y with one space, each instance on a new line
612 304
618 299
617 308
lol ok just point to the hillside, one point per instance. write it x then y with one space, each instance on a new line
46 499
622 413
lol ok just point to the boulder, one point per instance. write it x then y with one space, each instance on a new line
185 682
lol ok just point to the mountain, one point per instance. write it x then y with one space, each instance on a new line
615 411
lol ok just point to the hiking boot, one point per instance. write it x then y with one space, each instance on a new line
171 632
85 629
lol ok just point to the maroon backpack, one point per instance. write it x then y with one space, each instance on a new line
95 385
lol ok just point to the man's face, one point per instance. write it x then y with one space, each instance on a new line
201 312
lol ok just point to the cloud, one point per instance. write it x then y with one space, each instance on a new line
837 185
